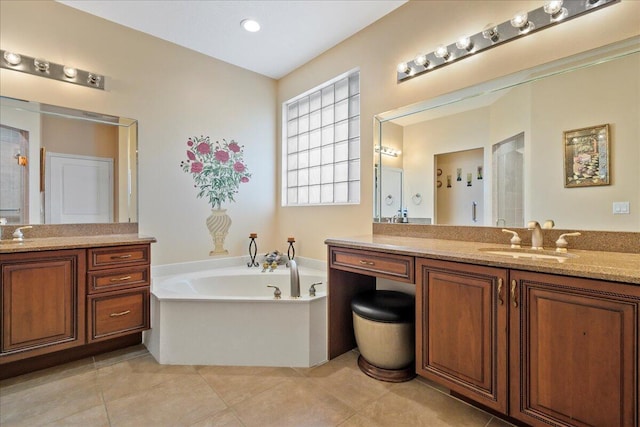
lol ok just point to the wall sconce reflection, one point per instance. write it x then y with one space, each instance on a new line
388 151
523 23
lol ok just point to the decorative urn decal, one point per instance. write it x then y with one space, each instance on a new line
218 170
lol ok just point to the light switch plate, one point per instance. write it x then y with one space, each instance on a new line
620 208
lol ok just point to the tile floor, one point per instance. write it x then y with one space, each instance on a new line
129 388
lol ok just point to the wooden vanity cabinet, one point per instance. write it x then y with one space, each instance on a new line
118 301
63 305
573 351
544 349
43 303
461 329
540 348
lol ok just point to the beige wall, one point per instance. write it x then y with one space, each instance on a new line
174 93
416 26
79 137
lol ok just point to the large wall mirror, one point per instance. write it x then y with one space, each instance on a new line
559 142
64 166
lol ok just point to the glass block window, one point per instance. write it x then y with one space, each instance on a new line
321 144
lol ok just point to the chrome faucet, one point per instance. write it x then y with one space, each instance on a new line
18 235
536 234
295 279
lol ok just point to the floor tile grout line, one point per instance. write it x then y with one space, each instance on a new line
104 403
228 406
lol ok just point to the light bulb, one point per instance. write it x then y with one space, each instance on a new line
464 43
12 58
555 10
553 6
520 19
403 67
70 72
442 52
521 22
421 60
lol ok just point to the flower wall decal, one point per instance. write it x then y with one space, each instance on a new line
217 168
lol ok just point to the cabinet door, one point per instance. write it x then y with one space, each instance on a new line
574 351
461 330
43 300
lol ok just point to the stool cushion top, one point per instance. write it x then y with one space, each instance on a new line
384 306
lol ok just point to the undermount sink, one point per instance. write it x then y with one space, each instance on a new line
532 254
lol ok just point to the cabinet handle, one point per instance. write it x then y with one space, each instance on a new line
363 262
120 279
122 313
500 292
121 256
513 293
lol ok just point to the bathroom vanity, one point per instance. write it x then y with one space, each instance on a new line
68 298
542 341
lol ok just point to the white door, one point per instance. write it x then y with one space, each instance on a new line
391 191
79 189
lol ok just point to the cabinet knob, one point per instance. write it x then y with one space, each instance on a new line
363 262
121 256
120 279
500 299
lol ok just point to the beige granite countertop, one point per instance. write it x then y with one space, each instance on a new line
71 242
613 266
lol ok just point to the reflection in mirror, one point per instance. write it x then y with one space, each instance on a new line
493 154
65 166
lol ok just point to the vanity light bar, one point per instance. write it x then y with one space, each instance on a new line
43 68
522 24
387 151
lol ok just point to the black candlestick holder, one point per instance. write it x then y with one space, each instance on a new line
253 250
291 252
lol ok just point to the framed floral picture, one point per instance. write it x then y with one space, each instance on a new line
586 156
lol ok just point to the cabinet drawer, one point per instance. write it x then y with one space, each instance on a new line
116 279
116 256
395 267
118 313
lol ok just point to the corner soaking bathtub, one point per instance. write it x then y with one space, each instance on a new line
220 312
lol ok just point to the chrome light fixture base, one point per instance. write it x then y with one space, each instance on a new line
495 35
43 68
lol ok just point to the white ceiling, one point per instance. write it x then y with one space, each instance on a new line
293 32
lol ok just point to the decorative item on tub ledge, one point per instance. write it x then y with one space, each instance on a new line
218 170
253 250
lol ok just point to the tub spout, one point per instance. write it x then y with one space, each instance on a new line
295 279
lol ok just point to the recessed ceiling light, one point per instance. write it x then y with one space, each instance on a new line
250 25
